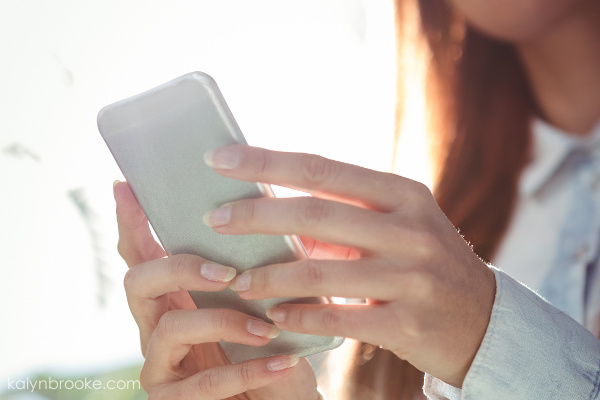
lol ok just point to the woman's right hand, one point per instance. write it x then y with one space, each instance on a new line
179 342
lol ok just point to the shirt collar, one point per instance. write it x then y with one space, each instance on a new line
551 147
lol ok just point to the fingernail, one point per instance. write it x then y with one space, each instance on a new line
115 183
262 329
276 314
219 217
222 158
217 273
282 362
242 283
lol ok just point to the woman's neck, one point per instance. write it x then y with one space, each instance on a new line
563 66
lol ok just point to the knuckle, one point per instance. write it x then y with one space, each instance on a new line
419 195
421 285
412 330
425 246
220 320
399 233
263 162
409 327
261 279
317 171
395 230
296 319
126 252
329 318
167 327
420 190
311 274
121 248
245 211
130 279
178 264
145 381
247 375
313 211
209 381
305 320
395 184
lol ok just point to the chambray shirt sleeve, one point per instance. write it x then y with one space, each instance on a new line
530 351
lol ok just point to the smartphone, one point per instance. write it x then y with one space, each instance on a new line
158 139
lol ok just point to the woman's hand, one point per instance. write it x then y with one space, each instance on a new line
183 360
429 296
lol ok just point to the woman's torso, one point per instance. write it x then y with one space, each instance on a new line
553 242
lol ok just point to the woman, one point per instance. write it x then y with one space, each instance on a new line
432 301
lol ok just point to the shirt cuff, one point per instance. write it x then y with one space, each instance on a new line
530 350
436 389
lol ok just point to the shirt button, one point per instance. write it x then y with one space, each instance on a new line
580 254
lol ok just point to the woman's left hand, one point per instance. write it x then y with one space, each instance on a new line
429 297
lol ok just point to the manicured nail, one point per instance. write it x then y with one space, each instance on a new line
262 329
282 362
277 314
217 273
242 283
222 158
115 183
219 217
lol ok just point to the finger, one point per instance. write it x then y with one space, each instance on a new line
136 244
324 220
313 174
347 320
146 283
179 272
328 251
363 278
228 380
178 330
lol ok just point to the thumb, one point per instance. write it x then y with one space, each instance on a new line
136 244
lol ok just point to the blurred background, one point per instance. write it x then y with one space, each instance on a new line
312 76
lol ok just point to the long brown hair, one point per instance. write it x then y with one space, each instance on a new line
479 106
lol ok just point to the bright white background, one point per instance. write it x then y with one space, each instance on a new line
312 75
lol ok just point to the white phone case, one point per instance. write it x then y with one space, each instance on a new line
158 139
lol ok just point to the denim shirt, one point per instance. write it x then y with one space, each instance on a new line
541 342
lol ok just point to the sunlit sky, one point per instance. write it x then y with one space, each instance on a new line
313 76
